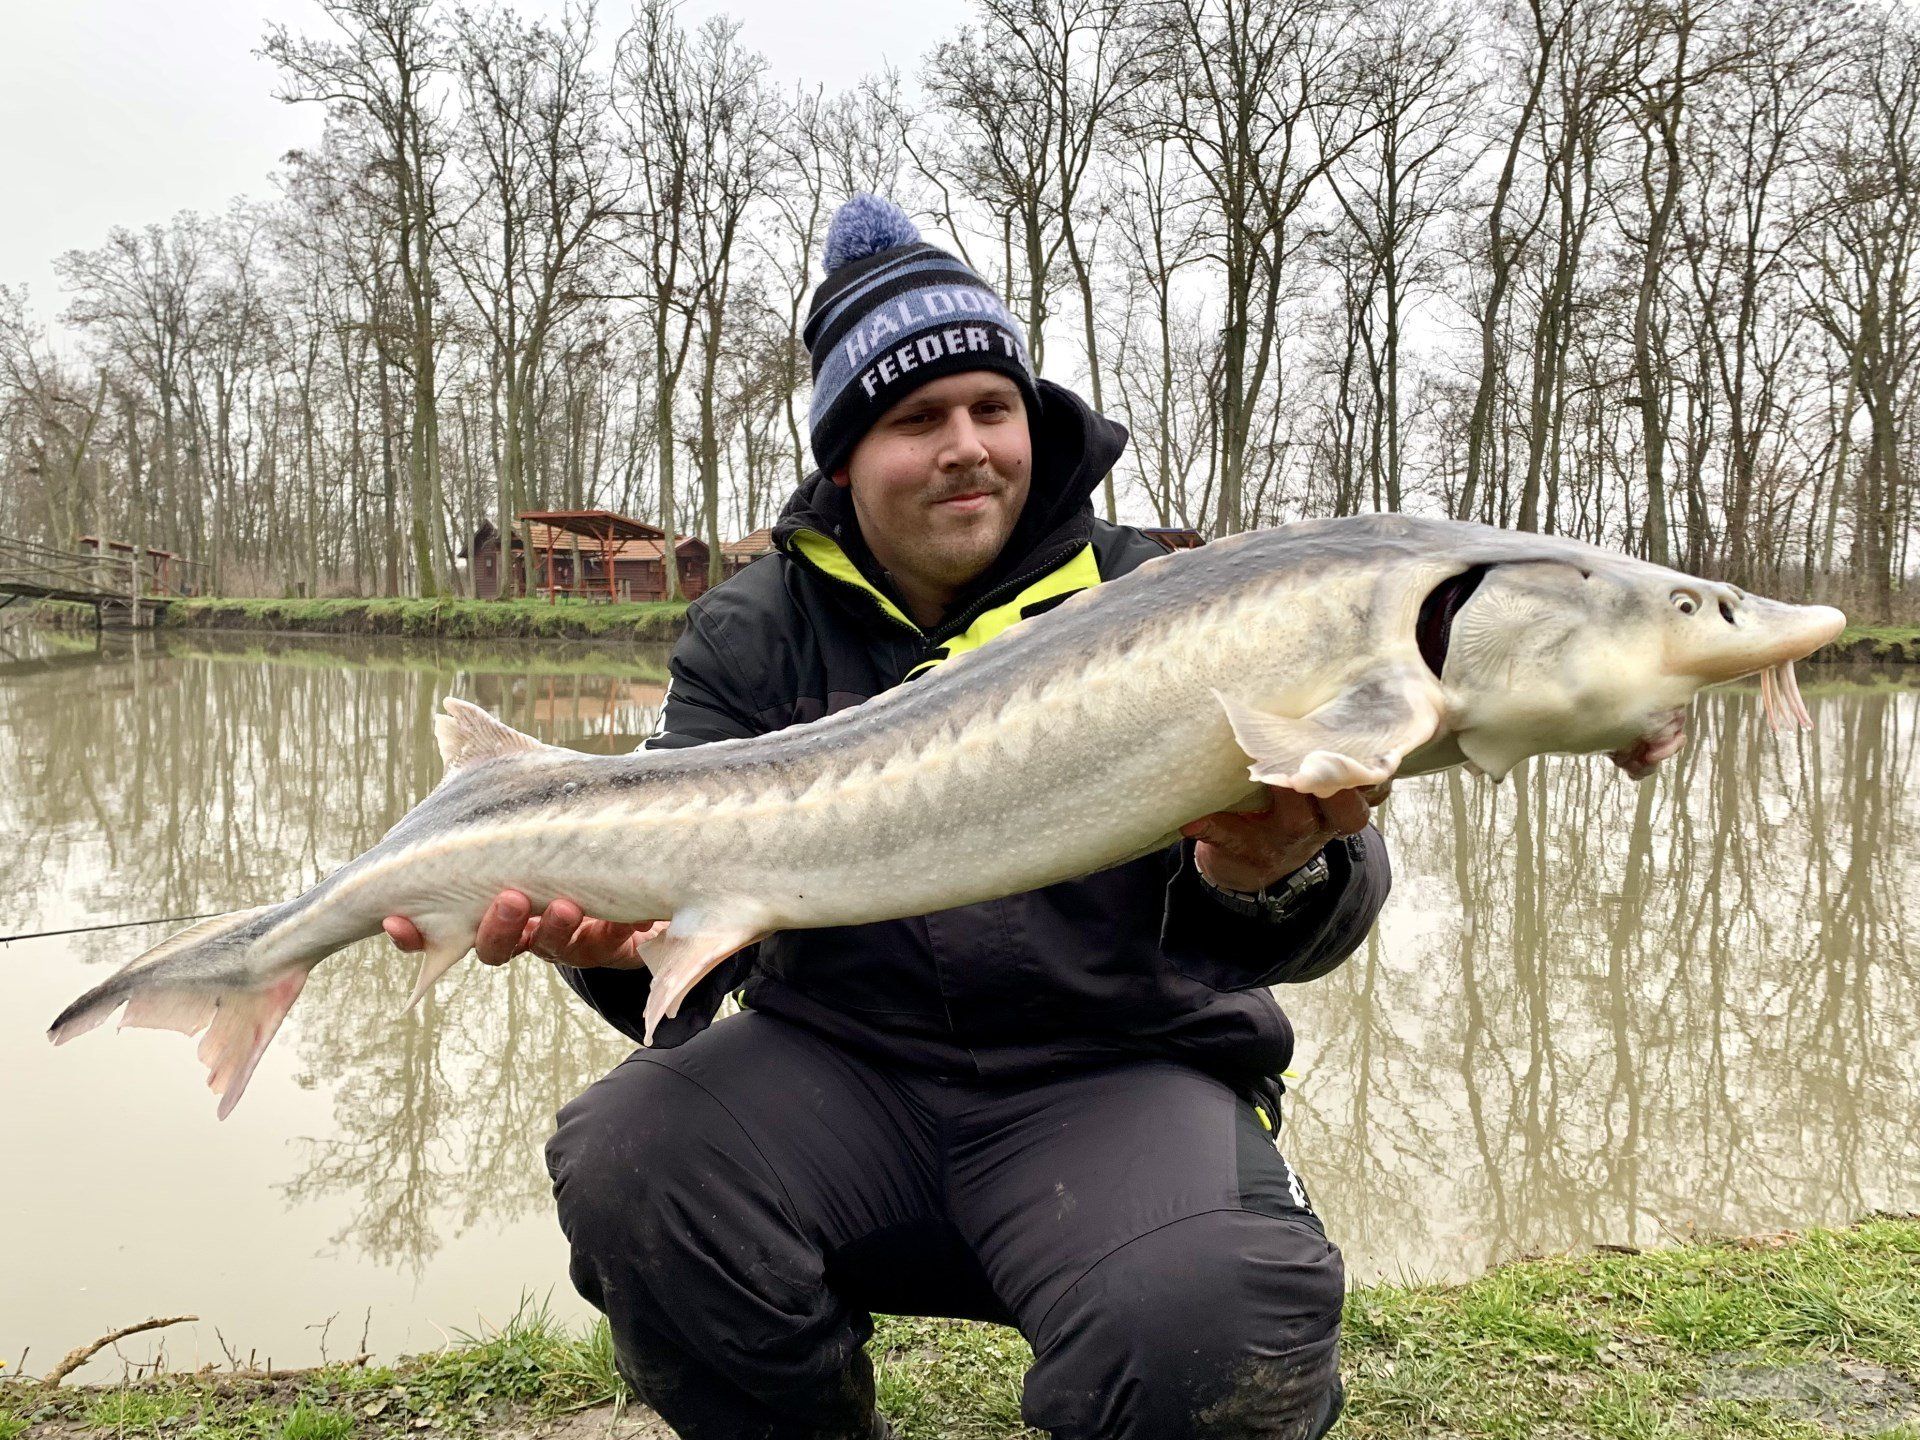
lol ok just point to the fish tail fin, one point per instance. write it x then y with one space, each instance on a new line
181 985
244 1024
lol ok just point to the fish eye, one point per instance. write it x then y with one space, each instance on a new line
1685 601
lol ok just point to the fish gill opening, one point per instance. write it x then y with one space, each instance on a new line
1434 628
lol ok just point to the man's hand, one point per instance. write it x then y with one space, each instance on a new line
1248 850
559 933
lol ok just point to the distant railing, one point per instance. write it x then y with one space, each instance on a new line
32 571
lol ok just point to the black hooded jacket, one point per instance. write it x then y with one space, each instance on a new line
1137 960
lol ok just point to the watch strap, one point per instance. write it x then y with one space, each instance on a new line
1279 901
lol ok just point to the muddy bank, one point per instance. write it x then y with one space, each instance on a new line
1873 645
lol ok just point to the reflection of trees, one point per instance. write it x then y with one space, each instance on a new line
1600 1011
239 772
1595 1011
439 1114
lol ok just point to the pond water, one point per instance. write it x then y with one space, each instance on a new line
1593 1012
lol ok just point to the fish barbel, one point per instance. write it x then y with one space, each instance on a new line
1315 657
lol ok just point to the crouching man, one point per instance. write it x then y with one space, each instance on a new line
1055 1111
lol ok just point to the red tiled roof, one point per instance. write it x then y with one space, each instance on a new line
747 546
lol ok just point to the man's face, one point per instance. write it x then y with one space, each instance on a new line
940 480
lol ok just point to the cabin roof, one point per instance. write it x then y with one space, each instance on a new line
760 542
596 525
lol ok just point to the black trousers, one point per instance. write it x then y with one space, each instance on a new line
738 1205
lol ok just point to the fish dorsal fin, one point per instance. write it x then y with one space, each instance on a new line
468 735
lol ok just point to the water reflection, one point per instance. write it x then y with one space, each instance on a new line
1604 1012
162 778
1595 1011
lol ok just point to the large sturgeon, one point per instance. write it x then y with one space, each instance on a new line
1314 657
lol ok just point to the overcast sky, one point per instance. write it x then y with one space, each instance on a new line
122 112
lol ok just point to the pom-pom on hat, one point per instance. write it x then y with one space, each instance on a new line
892 313
865 226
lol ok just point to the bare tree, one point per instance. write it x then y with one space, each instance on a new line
1398 178
387 67
1257 94
1675 49
1863 290
734 154
652 98
542 193
139 295
1508 232
59 418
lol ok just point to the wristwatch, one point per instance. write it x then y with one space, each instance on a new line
1280 901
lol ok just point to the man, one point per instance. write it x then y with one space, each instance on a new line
1054 1110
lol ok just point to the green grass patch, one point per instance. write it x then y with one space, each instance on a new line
1790 1338
308 1421
446 618
136 1411
943 1380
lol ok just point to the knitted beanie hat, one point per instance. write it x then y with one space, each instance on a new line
893 313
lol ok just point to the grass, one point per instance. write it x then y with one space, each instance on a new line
1720 1341
1898 643
446 618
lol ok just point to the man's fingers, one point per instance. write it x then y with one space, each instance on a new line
554 934
598 942
1346 811
403 932
503 928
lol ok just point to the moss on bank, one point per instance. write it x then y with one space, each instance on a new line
1789 1337
1880 644
443 619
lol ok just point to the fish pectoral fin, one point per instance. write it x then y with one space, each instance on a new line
685 953
1491 754
1356 739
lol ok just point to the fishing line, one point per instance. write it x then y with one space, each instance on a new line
117 925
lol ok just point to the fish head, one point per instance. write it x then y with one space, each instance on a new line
1601 654
1718 632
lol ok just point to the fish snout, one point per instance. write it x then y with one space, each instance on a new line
1721 632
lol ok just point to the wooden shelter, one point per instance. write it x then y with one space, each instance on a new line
586 554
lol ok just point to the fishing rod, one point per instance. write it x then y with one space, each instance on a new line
117 925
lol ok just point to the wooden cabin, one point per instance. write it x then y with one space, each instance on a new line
736 555
1174 537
